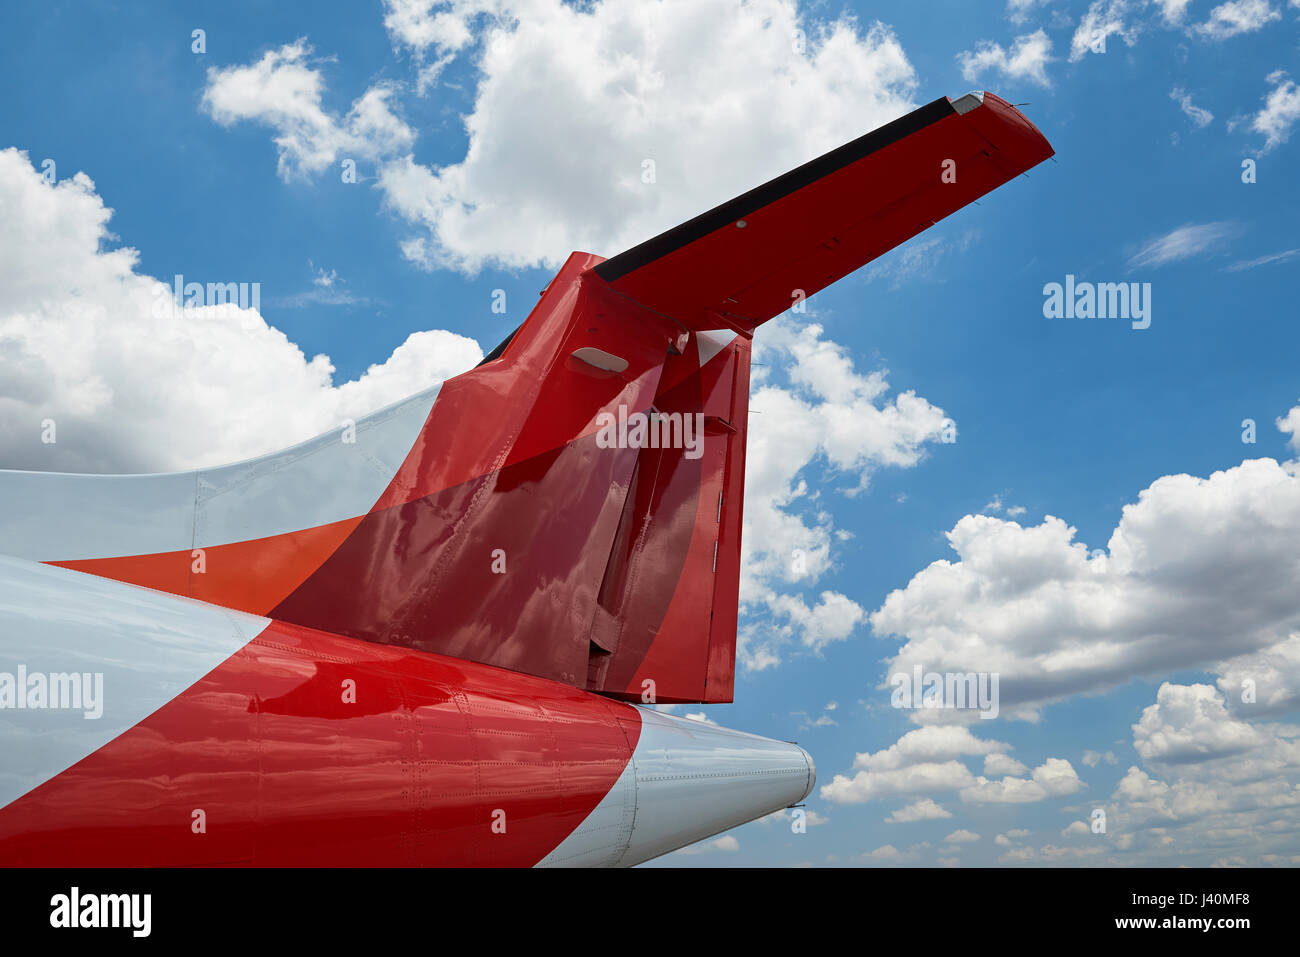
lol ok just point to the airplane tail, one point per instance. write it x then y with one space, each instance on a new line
561 511
572 507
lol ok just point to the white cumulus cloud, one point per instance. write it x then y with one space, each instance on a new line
1236 17
133 388
283 90
1280 112
1197 570
1026 59
923 810
1104 19
811 409
1190 723
571 102
1173 11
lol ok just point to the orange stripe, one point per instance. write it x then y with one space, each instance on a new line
252 576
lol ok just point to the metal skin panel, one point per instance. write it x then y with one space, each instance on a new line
536 397
53 516
741 262
687 781
504 567
303 748
287 766
676 656
602 839
695 779
66 518
721 676
656 600
346 469
148 646
245 536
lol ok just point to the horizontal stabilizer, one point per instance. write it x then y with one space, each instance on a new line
751 258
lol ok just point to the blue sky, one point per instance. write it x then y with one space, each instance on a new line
1071 418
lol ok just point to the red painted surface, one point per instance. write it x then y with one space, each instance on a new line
665 600
287 772
721 670
814 235
546 509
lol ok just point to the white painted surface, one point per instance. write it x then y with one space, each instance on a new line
149 647
713 342
687 780
57 516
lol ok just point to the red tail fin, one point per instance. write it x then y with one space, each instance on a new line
561 511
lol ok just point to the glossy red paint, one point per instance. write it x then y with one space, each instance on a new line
721 674
741 263
288 772
659 594
535 398
629 535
